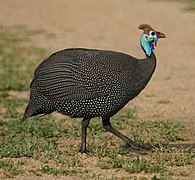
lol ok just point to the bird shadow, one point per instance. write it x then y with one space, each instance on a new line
181 145
151 149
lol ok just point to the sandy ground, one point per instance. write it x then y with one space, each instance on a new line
112 24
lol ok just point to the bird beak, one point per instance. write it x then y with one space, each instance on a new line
160 35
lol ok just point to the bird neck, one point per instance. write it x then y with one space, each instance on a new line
147 65
146 46
150 61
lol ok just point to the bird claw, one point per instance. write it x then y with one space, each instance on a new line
137 148
83 151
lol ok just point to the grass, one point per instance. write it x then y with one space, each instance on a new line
163 101
42 139
190 4
18 58
11 168
54 171
52 144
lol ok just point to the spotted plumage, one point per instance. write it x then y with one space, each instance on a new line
87 83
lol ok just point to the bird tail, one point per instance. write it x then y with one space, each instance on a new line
30 111
33 106
38 104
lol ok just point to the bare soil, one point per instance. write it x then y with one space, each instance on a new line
112 24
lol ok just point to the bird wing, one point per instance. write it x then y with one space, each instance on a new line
65 75
76 74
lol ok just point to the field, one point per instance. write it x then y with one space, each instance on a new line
162 116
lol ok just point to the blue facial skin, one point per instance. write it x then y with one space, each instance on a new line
148 41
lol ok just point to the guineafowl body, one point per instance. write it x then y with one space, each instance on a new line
86 83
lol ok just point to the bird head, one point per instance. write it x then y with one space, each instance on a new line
149 38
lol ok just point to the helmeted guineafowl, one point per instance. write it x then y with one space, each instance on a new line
86 83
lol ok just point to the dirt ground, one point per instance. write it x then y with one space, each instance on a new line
112 24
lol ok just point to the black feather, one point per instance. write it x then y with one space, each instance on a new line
87 82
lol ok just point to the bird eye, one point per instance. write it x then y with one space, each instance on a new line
152 33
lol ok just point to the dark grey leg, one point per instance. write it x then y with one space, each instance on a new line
128 142
85 123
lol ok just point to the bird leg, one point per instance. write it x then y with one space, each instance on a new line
141 149
85 123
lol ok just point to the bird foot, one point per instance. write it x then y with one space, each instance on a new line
137 148
83 151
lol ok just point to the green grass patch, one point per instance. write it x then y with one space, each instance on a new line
46 169
163 101
138 165
11 108
190 4
26 146
42 139
150 131
10 168
158 162
18 58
